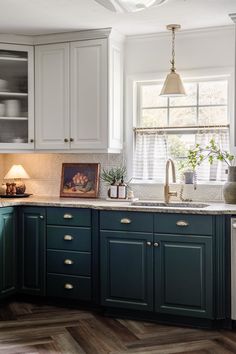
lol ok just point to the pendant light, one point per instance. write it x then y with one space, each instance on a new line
173 85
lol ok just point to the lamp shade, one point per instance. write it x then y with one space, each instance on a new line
16 171
173 85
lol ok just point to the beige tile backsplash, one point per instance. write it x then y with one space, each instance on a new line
45 173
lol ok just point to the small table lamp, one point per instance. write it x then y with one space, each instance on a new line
16 173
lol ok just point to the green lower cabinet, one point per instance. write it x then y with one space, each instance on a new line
7 251
126 269
184 275
32 250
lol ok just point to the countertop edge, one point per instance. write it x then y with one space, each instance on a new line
99 204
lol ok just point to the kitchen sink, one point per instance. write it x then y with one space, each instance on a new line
169 205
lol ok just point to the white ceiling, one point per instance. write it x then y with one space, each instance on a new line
49 16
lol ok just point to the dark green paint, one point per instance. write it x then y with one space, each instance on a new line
197 224
81 287
126 270
7 251
81 238
81 262
111 220
184 275
80 217
32 250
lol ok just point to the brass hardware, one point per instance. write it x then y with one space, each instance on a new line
167 192
66 140
68 238
149 243
125 221
182 223
68 286
41 217
68 262
31 140
68 216
156 244
71 140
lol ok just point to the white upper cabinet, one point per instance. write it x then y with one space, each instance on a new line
79 94
89 109
52 96
16 97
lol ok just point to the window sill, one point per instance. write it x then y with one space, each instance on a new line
158 183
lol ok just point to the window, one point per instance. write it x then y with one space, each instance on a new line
168 127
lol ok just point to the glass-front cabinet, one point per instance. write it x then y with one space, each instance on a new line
16 97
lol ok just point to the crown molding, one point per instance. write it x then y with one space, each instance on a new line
190 32
72 36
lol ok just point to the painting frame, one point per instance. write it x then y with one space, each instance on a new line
80 180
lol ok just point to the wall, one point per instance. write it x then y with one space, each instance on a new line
198 53
144 55
197 49
45 169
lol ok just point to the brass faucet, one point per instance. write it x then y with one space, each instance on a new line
167 192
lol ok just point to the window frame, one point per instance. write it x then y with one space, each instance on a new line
131 111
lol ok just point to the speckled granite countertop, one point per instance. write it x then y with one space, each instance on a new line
101 204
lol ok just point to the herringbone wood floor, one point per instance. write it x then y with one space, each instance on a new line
39 329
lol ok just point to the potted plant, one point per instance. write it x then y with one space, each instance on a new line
187 173
213 152
113 177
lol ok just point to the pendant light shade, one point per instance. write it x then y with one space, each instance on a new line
173 85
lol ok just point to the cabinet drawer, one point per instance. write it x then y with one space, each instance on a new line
183 224
73 263
69 216
69 238
126 220
69 287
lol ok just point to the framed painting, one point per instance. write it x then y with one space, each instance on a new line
80 180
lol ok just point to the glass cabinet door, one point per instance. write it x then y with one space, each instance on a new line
16 97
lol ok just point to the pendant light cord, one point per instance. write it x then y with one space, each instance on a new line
173 50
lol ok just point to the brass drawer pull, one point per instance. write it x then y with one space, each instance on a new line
182 223
68 262
68 216
125 221
68 238
68 286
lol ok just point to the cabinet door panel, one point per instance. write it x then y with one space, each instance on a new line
7 251
126 270
52 96
32 251
183 275
89 94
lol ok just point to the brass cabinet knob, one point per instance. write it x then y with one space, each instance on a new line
66 140
41 216
182 223
68 262
31 140
148 243
68 286
125 221
71 140
156 244
68 216
68 238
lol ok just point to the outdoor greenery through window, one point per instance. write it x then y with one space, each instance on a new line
168 127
